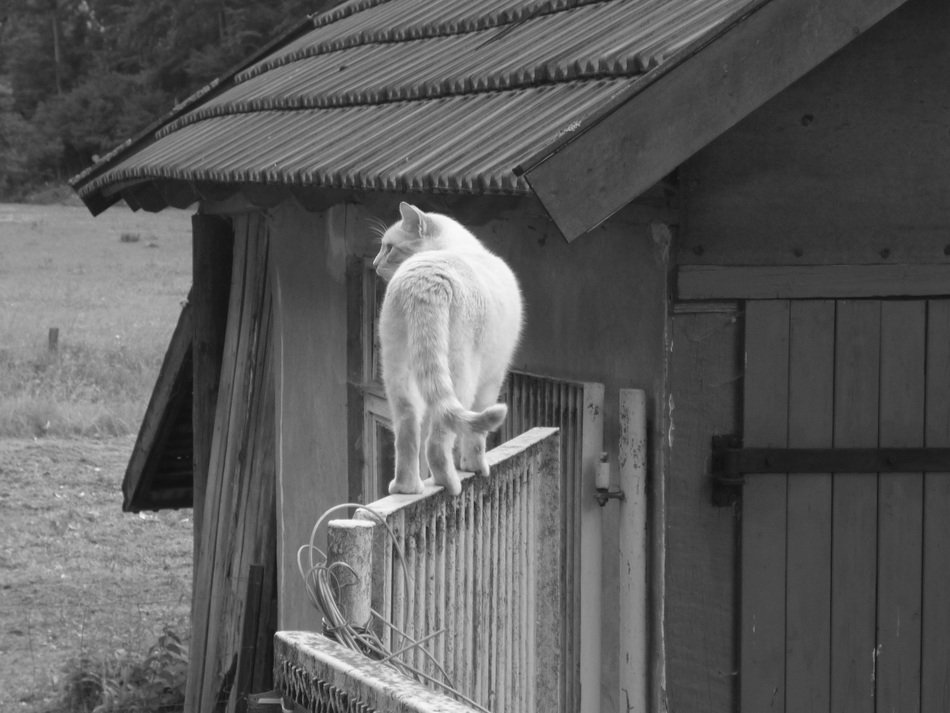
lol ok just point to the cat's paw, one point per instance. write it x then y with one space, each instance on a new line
407 488
452 484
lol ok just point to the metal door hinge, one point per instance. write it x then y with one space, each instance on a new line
731 463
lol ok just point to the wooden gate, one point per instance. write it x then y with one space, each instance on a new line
845 576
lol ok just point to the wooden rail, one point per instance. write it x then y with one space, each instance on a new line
476 578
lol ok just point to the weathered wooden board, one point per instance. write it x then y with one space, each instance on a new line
808 556
764 506
935 647
900 507
202 595
700 540
854 532
237 527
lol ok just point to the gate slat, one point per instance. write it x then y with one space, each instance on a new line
762 633
935 647
900 508
808 592
854 510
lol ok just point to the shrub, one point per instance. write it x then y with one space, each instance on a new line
124 683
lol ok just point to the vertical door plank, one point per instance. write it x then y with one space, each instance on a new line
762 626
900 508
808 589
935 647
854 510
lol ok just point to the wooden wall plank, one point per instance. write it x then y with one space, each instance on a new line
701 552
238 524
252 540
935 647
808 566
854 530
900 508
230 478
762 627
217 484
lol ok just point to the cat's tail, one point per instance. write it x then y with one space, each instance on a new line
429 359
480 421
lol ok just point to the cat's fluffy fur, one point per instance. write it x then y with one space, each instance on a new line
448 327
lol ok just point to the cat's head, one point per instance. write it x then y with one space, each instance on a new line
417 231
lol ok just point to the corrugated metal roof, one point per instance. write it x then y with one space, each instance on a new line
414 95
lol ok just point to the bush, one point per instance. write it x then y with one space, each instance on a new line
125 684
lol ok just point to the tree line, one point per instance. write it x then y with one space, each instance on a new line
78 77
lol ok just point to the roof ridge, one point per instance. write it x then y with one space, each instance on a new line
424 31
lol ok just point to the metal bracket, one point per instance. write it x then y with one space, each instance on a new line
731 463
726 482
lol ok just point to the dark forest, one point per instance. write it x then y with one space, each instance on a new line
78 77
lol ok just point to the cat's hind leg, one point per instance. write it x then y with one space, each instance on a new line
439 456
406 424
472 448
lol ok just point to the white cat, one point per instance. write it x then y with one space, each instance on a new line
448 327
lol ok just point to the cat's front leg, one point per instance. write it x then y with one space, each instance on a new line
406 423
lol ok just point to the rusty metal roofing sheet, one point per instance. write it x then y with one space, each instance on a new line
419 95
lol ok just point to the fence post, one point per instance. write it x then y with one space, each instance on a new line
53 340
549 554
633 550
351 542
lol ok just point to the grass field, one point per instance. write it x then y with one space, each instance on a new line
113 287
84 588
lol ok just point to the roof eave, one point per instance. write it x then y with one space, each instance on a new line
588 174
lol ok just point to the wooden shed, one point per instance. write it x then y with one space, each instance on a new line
739 209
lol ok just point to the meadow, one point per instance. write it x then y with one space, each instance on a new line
91 598
113 287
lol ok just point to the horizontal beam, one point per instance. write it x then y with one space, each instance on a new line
763 282
731 465
745 461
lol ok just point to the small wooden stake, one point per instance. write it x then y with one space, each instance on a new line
53 342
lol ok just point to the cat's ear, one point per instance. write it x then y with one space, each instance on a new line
413 219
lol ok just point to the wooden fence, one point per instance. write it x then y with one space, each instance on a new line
474 579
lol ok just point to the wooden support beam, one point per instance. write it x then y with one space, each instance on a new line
739 282
158 422
589 174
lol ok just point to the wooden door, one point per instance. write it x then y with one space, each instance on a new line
845 577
